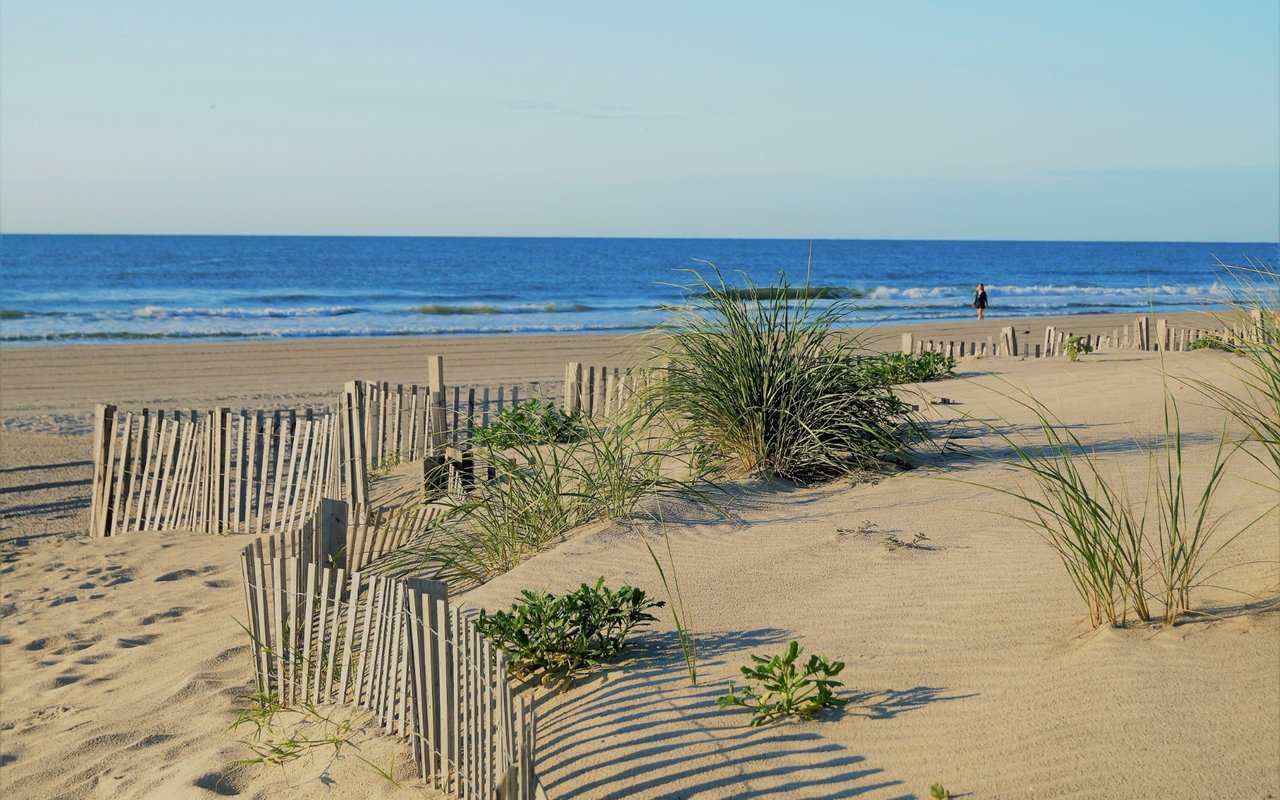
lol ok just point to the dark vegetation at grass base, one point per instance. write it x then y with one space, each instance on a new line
531 421
768 388
891 369
785 292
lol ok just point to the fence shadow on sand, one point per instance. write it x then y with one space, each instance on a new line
642 731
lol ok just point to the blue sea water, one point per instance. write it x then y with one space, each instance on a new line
67 289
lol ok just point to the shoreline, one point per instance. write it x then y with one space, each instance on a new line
70 379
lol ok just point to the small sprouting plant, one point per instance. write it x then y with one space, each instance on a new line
531 423
679 613
892 542
939 792
1077 345
275 741
785 688
865 528
563 635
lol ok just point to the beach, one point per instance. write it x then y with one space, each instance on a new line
970 663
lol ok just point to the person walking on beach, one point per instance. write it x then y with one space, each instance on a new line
980 301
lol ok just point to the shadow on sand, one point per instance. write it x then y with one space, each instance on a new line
642 731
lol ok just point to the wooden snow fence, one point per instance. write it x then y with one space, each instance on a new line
600 391
324 634
385 530
1138 336
211 472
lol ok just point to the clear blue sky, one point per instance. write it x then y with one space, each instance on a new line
973 120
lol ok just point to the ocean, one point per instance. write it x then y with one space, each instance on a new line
79 289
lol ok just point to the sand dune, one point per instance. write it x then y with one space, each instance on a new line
970 663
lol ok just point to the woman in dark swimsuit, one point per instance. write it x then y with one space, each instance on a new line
980 301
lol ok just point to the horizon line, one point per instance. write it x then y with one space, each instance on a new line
641 238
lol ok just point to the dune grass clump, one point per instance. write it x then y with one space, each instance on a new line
1122 551
1255 296
769 385
539 492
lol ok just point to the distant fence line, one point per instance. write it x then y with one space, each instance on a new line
1138 336
600 391
211 472
257 471
325 634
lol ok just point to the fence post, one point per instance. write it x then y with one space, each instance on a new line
104 429
435 477
333 533
1162 334
353 441
572 386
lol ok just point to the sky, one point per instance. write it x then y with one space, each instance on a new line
1141 121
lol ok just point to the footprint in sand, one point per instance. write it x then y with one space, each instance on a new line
220 783
75 647
118 575
137 641
61 601
36 644
177 575
218 584
173 613
66 680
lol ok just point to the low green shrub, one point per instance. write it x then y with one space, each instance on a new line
784 689
890 369
560 636
531 422
1211 343
1075 346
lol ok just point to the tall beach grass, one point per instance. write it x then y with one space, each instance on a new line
767 382
1125 549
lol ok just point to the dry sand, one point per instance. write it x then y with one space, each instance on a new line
971 663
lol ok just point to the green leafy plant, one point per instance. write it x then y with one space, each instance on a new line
532 422
785 687
939 792
890 369
770 385
563 635
1075 346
